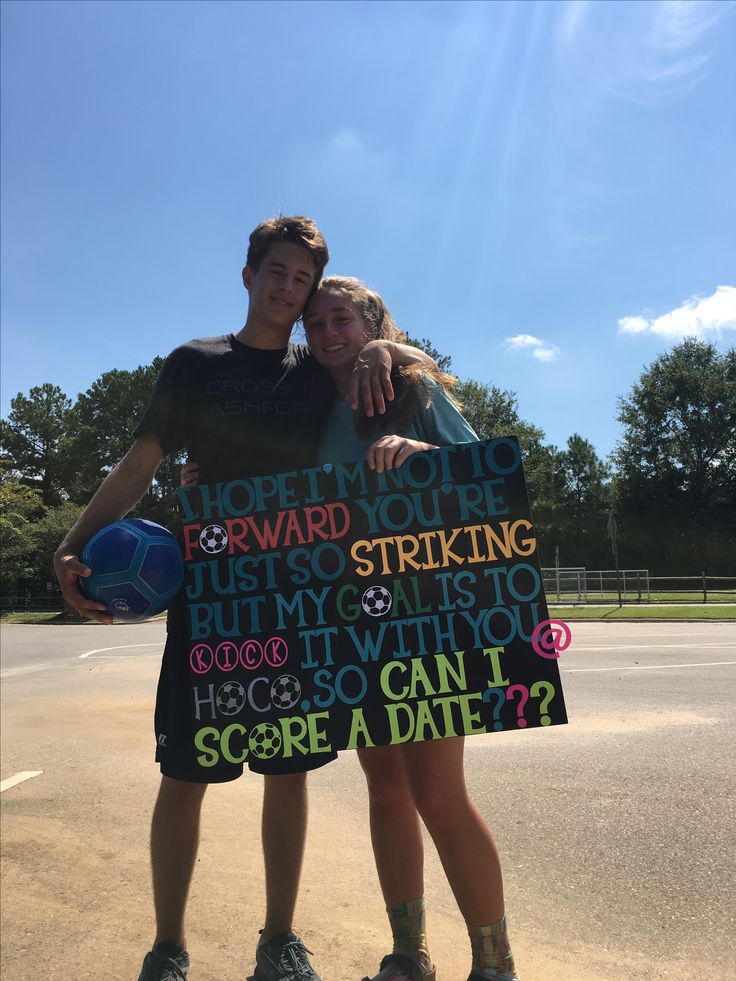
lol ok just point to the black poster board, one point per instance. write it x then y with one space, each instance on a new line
336 607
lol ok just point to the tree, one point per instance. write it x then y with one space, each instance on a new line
20 506
48 530
102 423
587 500
29 535
444 361
676 464
32 439
493 412
545 481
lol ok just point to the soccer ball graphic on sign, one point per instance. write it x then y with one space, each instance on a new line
137 568
264 741
285 691
213 539
376 601
231 698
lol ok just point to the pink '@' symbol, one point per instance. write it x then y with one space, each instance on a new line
551 638
201 658
276 652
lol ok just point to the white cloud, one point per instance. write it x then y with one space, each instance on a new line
342 160
678 24
347 150
545 353
633 325
700 317
347 142
666 62
533 346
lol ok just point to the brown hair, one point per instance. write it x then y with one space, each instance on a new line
409 385
297 229
379 322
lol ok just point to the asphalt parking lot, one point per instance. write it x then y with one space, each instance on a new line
616 831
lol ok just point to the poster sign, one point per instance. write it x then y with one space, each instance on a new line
336 607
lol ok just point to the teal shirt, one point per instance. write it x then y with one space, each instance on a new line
439 423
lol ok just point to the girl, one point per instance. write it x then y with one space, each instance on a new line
417 780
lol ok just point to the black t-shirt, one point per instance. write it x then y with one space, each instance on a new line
238 411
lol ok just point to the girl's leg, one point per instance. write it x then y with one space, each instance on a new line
466 848
395 831
399 852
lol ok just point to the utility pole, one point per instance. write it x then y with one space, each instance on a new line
612 529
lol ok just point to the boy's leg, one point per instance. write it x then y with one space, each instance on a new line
280 954
174 843
283 831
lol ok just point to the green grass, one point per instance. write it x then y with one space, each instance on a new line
649 612
644 612
9 616
714 596
695 596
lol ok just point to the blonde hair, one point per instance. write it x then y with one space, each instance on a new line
381 326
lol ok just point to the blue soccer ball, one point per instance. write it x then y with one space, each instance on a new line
137 568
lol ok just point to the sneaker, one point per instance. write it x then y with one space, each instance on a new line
475 976
402 967
283 958
166 962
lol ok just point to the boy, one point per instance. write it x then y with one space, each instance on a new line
240 406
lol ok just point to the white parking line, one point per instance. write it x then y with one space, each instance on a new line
651 667
639 647
120 647
19 778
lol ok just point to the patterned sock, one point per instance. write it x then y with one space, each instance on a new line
409 930
492 955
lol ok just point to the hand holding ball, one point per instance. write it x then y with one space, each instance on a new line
137 568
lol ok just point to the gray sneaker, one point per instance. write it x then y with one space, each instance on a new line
403 967
166 962
283 958
475 976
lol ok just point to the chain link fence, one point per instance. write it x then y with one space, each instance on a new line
51 602
604 584
701 589
569 586
565 585
579 585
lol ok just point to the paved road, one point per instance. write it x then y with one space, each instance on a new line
616 830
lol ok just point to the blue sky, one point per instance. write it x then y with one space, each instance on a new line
545 190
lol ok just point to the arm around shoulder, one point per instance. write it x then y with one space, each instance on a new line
370 384
406 354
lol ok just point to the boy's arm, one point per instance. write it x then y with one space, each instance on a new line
371 384
120 491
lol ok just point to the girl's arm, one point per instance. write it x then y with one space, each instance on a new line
390 452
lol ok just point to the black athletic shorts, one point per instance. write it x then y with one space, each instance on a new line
176 752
